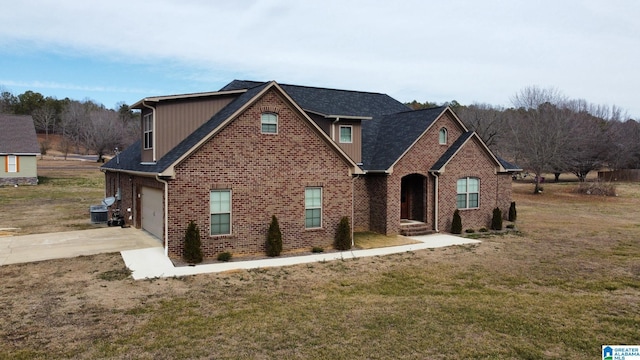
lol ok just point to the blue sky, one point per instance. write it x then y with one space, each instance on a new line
436 51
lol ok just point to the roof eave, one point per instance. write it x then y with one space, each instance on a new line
157 99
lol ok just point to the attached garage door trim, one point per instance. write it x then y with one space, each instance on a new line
152 214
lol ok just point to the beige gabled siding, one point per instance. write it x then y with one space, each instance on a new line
176 119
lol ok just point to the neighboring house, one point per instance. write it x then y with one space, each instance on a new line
18 150
231 159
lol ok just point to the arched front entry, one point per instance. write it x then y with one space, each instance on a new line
413 198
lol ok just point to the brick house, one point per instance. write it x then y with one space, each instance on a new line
19 149
231 159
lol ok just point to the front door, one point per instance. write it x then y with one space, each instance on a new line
405 196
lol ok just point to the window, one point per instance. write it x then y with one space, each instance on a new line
12 163
442 136
220 203
468 193
313 207
147 128
345 134
269 122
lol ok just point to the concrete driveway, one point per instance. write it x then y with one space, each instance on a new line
38 247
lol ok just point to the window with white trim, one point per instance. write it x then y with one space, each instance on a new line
468 196
442 136
147 129
220 204
12 163
313 207
269 123
346 134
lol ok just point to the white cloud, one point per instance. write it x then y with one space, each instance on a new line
470 51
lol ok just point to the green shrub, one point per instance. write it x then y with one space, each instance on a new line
483 229
496 220
469 231
274 238
342 240
192 252
225 256
456 224
513 213
317 249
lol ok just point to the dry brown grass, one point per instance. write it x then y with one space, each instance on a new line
565 285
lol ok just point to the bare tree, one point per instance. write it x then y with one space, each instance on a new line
102 133
540 130
44 119
587 145
623 145
74 117
487 121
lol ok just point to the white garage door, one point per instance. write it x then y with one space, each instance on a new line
151 204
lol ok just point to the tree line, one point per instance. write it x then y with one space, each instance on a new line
546 132
84 126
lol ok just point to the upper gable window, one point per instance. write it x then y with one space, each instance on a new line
346 134
269 123
442 136
147 129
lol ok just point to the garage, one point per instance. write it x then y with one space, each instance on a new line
151 206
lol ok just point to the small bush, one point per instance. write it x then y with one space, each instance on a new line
317 249
342 240
484 229
192 252
456 223
513 213
469 231
225 256
597 188
496 220
274 238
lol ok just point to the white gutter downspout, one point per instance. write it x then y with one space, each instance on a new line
166 214
436 216
153 130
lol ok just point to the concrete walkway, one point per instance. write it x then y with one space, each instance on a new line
151 263
38 247
144 255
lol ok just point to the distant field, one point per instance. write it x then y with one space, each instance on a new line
566 284
60 202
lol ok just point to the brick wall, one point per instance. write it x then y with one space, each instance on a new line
267 175
472 161
495 189
130 187
424 153
361 206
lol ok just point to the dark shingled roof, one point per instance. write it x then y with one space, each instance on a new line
332 101
131 157
386 138
389 130
451 151
508 166
18 135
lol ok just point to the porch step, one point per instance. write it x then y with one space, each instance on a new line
415 229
